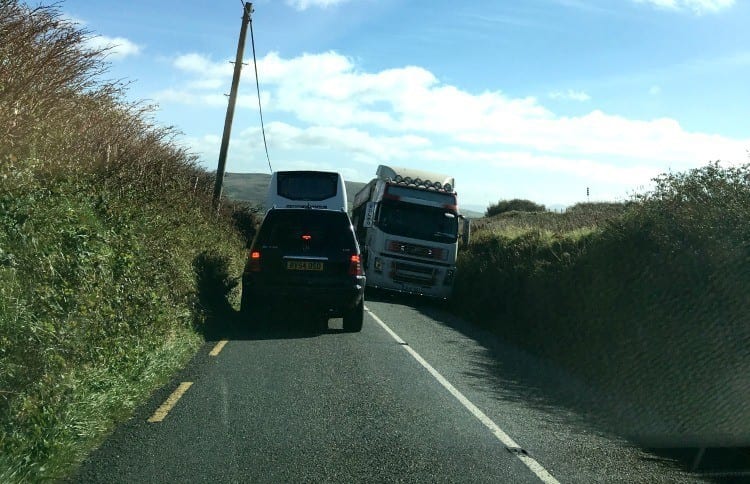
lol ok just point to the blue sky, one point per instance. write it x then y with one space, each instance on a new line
536 99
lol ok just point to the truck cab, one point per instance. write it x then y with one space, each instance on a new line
407 222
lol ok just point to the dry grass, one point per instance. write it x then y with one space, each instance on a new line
646 301
104 222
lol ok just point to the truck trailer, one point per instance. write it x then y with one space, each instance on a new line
407 223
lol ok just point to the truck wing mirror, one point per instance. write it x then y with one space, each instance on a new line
466 232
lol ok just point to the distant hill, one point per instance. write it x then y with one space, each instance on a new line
471 211
247 187
253 188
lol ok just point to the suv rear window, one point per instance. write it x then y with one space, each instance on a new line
307 185
292 230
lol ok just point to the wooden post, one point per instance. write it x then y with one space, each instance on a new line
218 186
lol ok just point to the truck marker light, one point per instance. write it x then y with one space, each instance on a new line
394 246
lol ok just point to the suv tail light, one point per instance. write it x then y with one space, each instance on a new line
355 266
253 261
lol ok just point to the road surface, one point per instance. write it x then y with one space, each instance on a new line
417 396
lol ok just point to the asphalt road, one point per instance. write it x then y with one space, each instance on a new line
431 400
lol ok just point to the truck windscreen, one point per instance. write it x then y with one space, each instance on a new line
418 221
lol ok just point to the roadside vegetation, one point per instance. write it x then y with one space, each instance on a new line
645 300
111 258
515 205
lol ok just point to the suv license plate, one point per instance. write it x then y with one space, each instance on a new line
298 265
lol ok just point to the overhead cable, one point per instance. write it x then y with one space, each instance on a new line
257 87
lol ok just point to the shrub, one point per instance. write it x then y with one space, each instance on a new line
245 219
102 217
649 305
516 204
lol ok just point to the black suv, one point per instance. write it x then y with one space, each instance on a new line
308 260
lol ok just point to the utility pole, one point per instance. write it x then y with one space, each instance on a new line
248 10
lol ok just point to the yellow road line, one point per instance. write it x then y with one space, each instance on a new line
217 349
170 402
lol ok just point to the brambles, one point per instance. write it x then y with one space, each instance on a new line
645 300
515 205
101 218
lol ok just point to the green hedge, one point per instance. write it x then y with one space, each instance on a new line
98 305
651 305
111 257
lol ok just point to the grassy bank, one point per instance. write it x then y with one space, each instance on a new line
108 248
647 302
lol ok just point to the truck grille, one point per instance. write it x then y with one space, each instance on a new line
410 273
415 250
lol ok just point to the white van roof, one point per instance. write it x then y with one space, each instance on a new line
307 189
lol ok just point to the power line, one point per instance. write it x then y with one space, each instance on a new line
257 88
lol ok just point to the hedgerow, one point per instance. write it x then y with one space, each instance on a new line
648 303
107 242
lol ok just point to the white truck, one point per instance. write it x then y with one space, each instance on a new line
407 223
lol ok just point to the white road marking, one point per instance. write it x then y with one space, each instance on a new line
506 440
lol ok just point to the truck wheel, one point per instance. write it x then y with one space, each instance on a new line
354 318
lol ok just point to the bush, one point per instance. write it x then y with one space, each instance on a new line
245 220
649 305
101 220
518 205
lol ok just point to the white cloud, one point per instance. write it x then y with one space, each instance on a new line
570 95
333 110
73 19
582 167
117 48
203 98
206 84
305 4
203 66
344 140
328 89
696 6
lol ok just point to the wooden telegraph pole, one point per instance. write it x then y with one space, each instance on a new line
248 10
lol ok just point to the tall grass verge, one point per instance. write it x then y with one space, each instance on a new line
649 305
104 222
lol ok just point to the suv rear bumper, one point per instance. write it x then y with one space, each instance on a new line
336 299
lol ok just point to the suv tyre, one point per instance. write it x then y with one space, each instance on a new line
354 318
